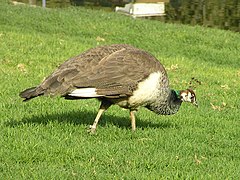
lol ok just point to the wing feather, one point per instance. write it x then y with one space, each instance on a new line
112 70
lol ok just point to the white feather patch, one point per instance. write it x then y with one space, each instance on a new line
84 92
147 90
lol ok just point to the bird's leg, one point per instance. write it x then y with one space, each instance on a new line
133 121
103 107
94 126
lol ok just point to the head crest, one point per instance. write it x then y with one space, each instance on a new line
194 82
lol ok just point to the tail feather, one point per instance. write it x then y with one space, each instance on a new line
30 93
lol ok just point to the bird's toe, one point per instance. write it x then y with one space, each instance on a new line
91 130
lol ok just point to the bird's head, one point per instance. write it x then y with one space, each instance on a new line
188 95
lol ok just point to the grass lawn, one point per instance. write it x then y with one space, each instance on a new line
47 138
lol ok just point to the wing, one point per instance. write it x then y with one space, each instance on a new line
113 71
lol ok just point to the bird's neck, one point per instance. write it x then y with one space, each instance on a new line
168 105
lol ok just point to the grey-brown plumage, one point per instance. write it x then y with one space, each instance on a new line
115 74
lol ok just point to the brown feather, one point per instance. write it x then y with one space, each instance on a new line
116 74
113 70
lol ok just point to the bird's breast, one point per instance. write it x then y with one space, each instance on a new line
147 90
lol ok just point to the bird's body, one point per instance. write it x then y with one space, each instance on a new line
115 74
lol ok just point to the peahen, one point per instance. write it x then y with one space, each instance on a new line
114 74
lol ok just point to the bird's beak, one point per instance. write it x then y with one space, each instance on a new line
195 104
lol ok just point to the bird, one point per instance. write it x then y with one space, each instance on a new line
116 74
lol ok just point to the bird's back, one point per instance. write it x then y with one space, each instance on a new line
114 71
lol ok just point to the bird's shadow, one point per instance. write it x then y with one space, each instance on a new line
87 118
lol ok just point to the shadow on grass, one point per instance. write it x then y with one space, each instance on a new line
87 118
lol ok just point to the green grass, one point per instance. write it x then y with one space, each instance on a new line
47 138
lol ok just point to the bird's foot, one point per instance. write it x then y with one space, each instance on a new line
92 129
